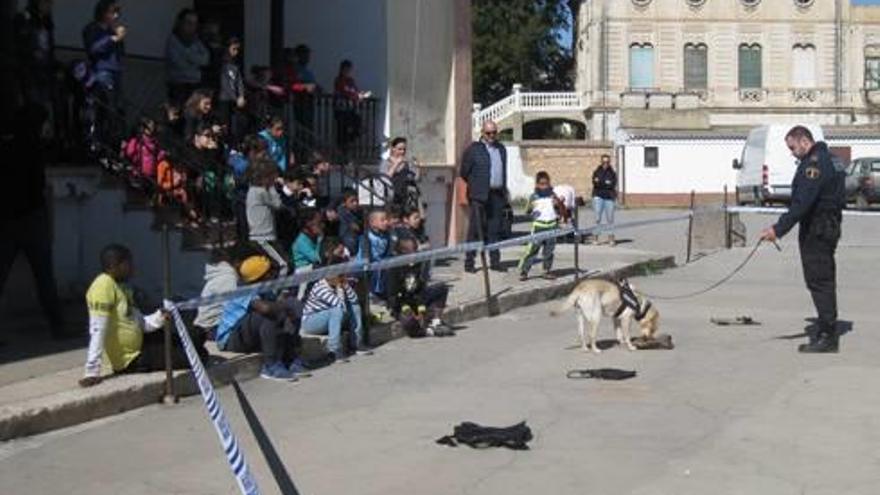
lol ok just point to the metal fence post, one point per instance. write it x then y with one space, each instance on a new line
170 396
727 226
491 306
365 280
690 239
576 240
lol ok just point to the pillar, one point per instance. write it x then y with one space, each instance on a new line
429 96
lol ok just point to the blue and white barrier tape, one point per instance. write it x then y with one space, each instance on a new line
355 267
531 238
275 285
596 229
779 211
234 455
328 271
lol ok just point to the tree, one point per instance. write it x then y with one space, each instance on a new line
518 41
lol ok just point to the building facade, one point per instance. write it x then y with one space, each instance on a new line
729 62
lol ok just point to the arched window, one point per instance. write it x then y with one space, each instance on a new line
641 66
872 67
696 72
750 75
803 70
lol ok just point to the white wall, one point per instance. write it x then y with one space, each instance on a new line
684 166
149 23
859 149
87 215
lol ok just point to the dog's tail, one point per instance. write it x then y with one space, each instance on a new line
566 305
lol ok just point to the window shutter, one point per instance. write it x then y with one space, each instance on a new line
641 66
750 66
695 66
803 73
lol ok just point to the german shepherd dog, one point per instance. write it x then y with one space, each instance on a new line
596 297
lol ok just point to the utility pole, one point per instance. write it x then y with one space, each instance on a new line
603 40
839 60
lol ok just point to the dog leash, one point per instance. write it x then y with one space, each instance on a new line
717 284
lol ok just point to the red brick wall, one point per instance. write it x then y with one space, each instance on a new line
567 162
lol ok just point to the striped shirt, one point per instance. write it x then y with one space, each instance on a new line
323 297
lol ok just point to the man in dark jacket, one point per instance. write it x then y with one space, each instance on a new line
484 168
25 227
818 196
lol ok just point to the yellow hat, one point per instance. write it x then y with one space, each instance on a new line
254 268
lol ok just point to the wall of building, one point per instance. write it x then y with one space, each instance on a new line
334 29
78 199
608 28
704 167
569 163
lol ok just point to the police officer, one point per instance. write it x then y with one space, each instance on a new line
817 199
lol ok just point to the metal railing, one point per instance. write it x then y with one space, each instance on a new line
333 125
520 101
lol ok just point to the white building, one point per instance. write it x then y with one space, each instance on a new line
662 167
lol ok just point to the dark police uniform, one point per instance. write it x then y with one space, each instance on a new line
817 198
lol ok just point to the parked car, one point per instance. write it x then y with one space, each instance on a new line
863 181
766 169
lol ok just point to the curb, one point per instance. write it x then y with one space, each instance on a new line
127 392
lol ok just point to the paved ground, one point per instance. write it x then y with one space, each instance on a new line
729 411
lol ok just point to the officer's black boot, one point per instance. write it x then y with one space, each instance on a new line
826 342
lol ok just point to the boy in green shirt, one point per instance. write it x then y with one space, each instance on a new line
118 332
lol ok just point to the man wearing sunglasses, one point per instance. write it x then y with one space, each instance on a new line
484 169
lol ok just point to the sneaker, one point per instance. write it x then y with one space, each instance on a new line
364 350
523 277
299 369
277 371
549 276
470 269
442 330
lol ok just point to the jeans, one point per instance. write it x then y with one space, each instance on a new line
531 253
329 322
604 208
486 223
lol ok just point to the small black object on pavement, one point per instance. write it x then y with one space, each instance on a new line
476 436
601 374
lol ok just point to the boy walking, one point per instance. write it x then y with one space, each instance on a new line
545 209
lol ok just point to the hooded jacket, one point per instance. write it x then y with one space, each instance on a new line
219 277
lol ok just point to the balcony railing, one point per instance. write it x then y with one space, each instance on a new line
520 101
332 126
752 95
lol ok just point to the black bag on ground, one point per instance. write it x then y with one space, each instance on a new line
480 437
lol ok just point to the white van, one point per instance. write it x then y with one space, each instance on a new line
767 166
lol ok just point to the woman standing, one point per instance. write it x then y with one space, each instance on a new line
401 172
604 196
185 55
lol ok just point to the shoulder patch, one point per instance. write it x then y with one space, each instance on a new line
812 172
